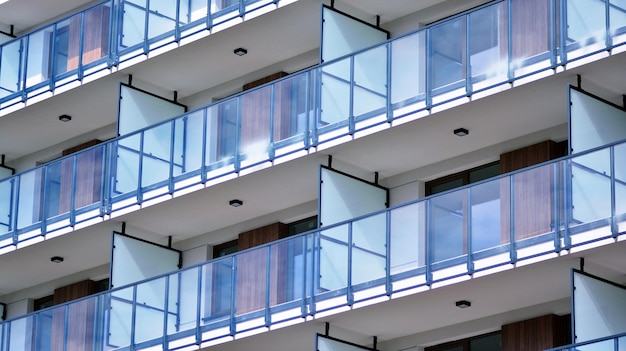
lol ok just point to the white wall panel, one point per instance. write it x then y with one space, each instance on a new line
135 260
599 308
328 344
593 122
139 109
342 34
343 197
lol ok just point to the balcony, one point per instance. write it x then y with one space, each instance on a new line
88 44
611 343
527 216
340 100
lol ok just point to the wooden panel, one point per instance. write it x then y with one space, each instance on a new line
256 112
74 291
535 334
80 147
255 120
95 36
80 317
88 177
252 269
283 102
528 156
262 235
532 191
264 80
530 27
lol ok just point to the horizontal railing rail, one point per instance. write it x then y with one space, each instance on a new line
478 228
609 343
285 118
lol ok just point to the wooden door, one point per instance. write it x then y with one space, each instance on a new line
538 333
80 318
252 269
95 36
88 182
530 25
533 191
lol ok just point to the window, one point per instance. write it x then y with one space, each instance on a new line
303 225
485 342
463 178
224 249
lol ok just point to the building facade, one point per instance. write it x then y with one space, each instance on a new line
294 174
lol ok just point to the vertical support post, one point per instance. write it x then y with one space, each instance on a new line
170 183
315 270
104 177
44 198
307 110
468 66
16 207
351 124
177 28
268 286
166 310
582 264
74 192
510 40
140 172
429 69
183 156
555 207
388 286
272 150
513 245
203 167
552 24
567 201
468 225
53 58
238 125
24 73
209 15
428 243
146 47
349 292
562 30
66 323
389 82
607 24
198 301
233 295
133 319
81 45
614 225
305 267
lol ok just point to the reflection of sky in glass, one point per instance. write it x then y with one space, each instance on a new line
486 225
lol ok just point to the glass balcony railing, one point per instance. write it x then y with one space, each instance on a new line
103 36
609 343
321 105
528 215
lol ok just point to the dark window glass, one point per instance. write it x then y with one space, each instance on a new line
459 179
302 226
490 342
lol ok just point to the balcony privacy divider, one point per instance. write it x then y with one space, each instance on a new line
458 233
